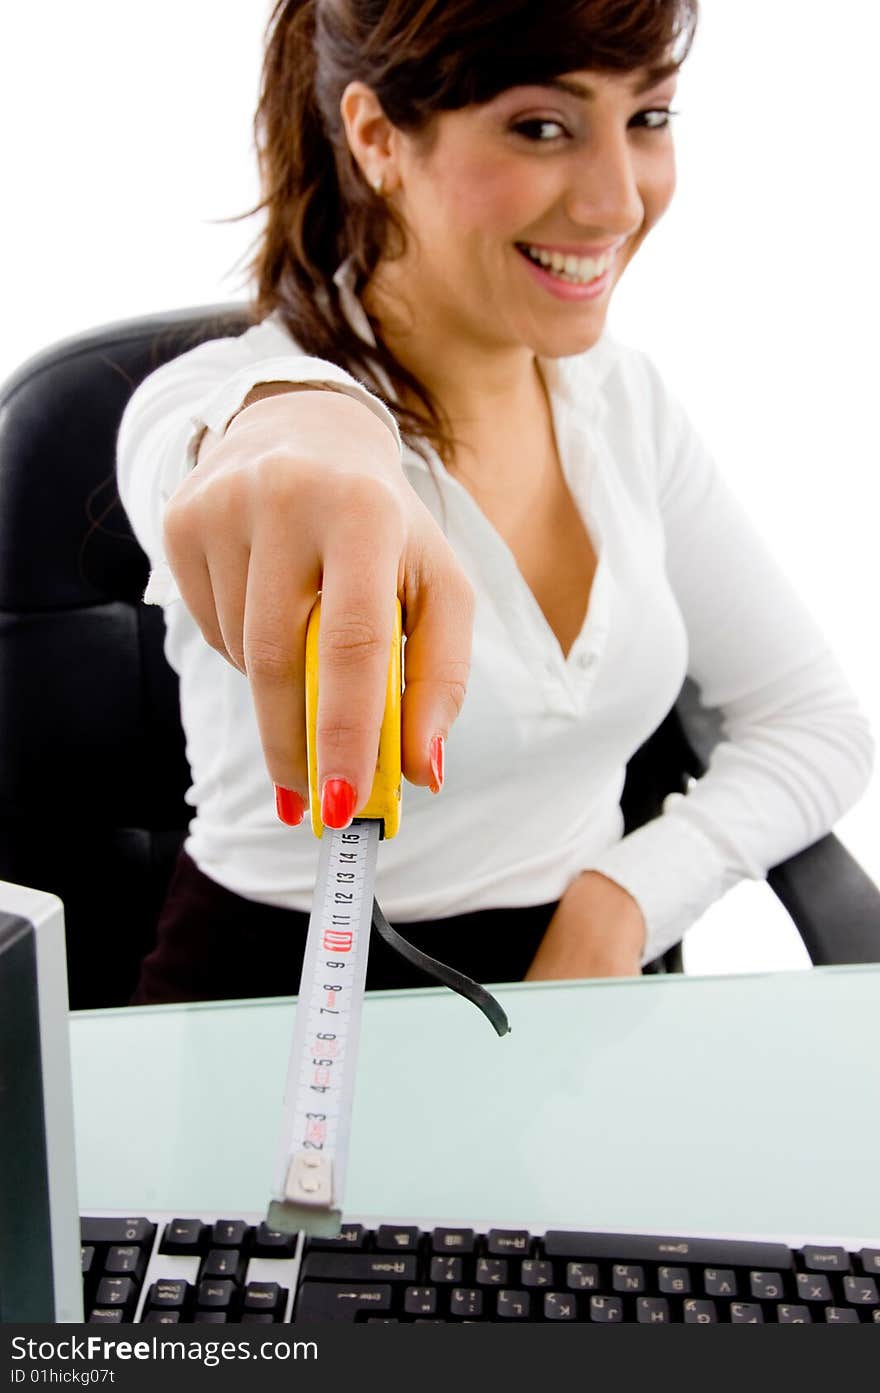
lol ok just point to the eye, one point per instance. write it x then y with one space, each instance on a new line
539 129
657 118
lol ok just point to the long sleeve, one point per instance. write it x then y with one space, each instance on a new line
202 389
796 751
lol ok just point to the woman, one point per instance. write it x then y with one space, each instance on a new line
452 192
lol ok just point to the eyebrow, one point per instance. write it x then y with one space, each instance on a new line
652 78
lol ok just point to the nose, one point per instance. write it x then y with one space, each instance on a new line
604 193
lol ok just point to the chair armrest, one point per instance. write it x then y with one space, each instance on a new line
835 906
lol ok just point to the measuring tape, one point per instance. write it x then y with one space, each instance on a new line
323 1056
320 1077
319 1092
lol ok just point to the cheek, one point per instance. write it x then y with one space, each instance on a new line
480 198
657 190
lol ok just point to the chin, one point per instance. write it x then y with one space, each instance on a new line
570 343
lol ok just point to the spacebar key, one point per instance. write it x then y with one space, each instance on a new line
320 1301
628 1247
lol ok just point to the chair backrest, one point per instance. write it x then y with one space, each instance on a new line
92 764
93 770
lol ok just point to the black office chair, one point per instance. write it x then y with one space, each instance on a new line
92 764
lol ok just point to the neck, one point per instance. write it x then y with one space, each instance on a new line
480 384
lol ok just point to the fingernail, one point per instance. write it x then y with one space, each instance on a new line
289 806
438 754
338 802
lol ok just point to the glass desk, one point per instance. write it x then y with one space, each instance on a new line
721 1104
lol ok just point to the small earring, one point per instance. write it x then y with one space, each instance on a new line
378 184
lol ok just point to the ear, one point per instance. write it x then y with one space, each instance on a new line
372 138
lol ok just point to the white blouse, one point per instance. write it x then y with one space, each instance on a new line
535 763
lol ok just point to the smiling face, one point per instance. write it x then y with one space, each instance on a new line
522 212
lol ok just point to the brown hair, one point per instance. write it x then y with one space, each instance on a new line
419 57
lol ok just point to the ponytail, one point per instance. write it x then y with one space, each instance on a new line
313 224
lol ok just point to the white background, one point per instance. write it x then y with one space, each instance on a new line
127 136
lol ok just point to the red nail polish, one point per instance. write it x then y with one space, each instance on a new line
289 806
338 802
438 759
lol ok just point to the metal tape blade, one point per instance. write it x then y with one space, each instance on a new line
319 1092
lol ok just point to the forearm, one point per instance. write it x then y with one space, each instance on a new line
598 930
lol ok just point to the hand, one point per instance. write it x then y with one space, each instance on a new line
598 930
305 492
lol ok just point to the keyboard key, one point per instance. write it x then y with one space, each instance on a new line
464 1302
719 1281
492 1271
162 1318
87 1260
841 1315
129 1260
223 1262
627 1278
116 1291
420 1301
351 1236
168 1293
184 1237
861 1291
627 1247
257 1318
870 1260
582 1276
320 1301
817 1259
535 1272
652 1310
390 1239
264 1296
362 1267
230 1233
503 1243
697 1312
766 1286
111 1231
675 1281
210 1318
812 1287
215 1295
269 1243
446 1269
558 1306
106 1317
452 1241
513 1305
794 1315
606 1308
746 1313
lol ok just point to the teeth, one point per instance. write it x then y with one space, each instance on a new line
578 269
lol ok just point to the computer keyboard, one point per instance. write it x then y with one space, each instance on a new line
168 1269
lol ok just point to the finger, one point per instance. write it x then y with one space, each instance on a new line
439 623
210 577
228 575
193 577
281 589
358 595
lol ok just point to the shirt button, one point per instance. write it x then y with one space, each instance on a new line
586 661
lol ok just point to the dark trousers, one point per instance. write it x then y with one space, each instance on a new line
213 945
